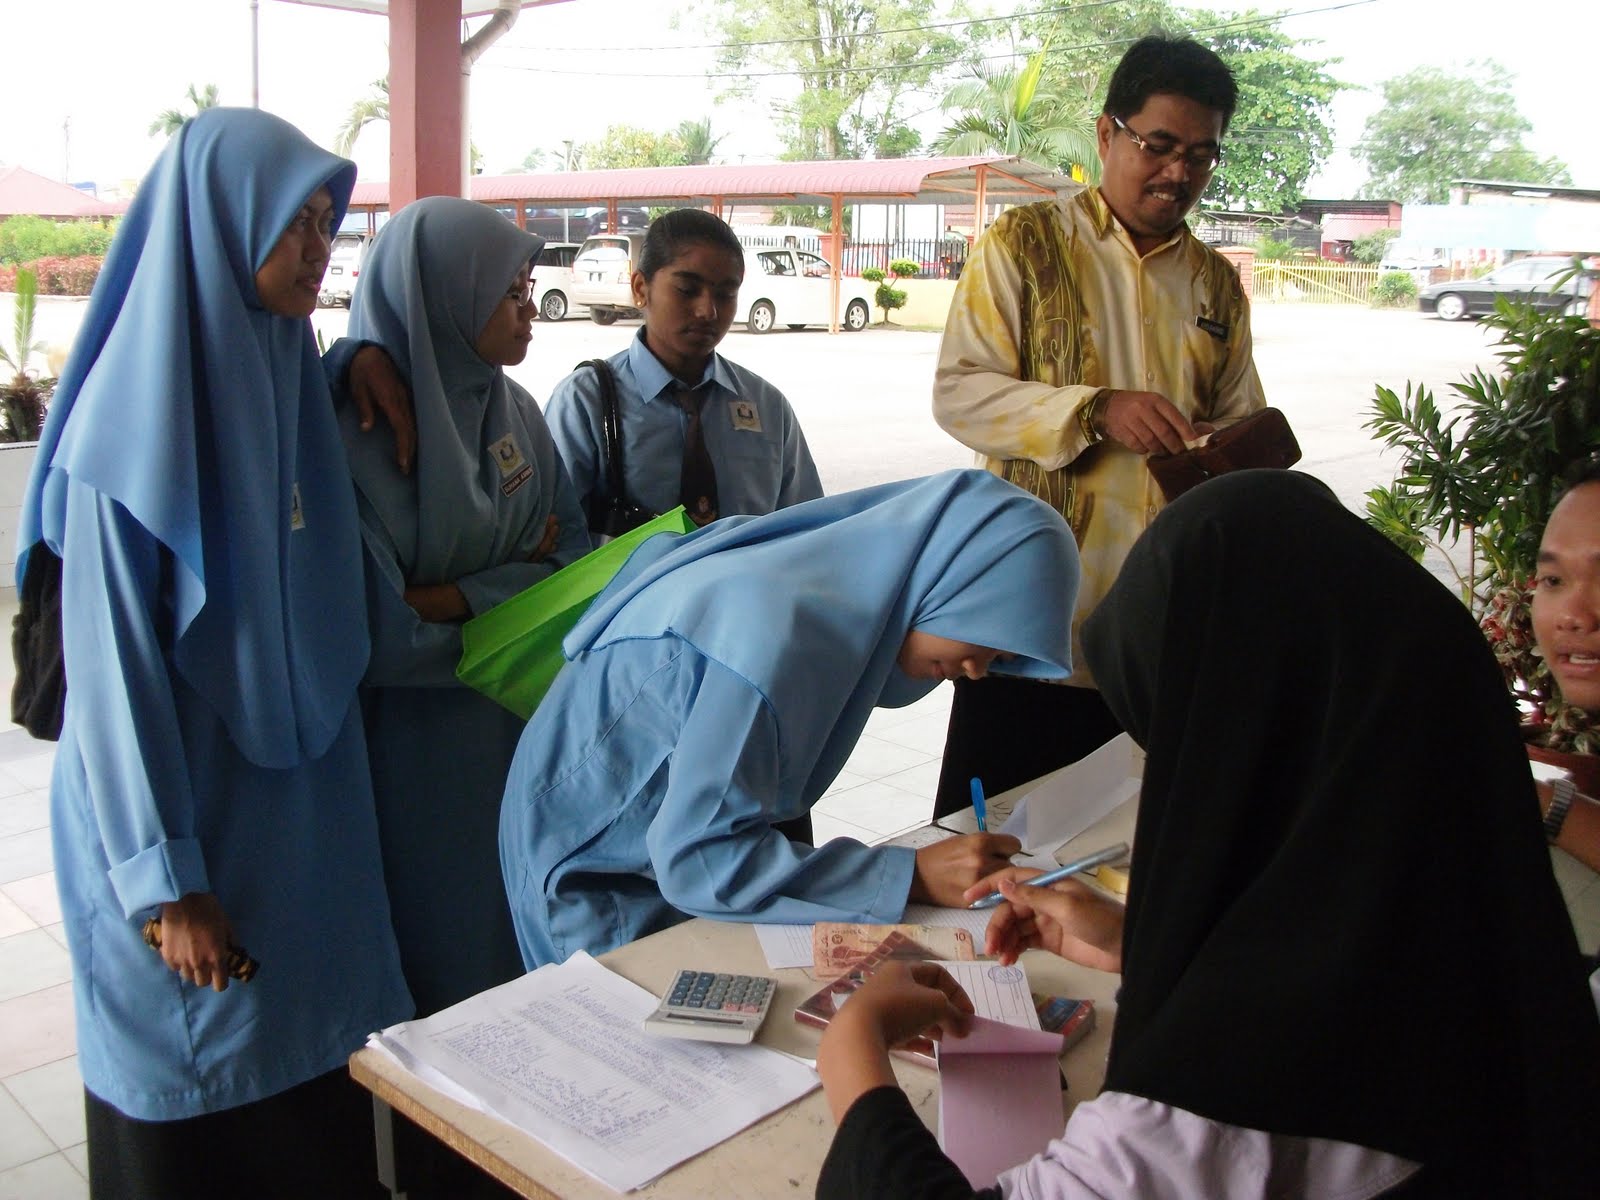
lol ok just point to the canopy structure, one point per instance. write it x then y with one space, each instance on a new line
24 193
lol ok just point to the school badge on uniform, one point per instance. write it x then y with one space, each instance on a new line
745 415
297 516
515 470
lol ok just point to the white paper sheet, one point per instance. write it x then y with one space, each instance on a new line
1075 797
999 993
561 1053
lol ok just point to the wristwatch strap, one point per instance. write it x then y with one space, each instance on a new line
1560 804
1089 418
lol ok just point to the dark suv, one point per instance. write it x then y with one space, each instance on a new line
1542 281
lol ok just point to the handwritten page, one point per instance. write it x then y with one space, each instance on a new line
1070 800
999 993
561 1053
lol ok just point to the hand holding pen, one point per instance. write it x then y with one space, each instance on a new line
1087 862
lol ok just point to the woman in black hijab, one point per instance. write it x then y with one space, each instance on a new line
1342 923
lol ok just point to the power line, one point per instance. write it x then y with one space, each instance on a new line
884 68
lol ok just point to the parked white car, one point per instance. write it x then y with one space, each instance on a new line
344 267
552 282
792 286
601 275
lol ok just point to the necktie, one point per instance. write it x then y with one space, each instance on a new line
697 487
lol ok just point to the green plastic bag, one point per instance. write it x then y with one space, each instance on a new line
512 652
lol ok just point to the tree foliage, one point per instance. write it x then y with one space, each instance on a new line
1012 112
629 146
858 62
1435 128
1279 135
170 120
696 142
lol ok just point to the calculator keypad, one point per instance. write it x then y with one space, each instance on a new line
710 991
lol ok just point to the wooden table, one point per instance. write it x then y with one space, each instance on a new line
780 1155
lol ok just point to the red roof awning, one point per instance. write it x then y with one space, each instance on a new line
24 193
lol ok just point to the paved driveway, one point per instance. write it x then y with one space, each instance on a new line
863 398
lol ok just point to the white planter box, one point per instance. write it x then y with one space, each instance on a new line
16 464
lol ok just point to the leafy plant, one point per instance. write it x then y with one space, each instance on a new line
1272 248
1488 470
26 238
23 398
1394 289
888 297
1370 247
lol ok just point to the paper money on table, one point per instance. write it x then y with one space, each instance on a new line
837 946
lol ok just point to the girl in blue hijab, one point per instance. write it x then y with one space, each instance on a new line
212 772
719 684
489 511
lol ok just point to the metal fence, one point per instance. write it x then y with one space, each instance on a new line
938 258
1317 283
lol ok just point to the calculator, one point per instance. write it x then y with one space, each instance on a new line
713 1006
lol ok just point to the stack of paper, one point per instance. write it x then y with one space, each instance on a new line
561 1053
999 1097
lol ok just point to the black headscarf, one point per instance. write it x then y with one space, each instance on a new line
1342 920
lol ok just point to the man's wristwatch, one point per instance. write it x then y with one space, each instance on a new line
1560 804
1089 417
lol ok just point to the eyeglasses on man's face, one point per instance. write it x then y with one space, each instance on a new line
1200 158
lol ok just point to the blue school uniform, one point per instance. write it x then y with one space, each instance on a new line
487 476
751 433
721 681
191 478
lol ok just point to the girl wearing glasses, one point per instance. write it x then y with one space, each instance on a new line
488 512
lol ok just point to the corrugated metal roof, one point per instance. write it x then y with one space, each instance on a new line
23 192
924 180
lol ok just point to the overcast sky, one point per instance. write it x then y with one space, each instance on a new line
88 76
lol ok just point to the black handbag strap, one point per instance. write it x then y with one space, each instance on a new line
610 422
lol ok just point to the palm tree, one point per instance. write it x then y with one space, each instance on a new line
362 113
171 120
1016 113
376 108
698 144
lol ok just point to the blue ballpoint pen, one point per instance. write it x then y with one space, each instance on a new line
977 804
1109 854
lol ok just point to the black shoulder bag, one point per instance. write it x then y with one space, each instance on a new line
611 516
39 695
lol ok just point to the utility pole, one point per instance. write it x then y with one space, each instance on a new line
255 53
566 211
66 148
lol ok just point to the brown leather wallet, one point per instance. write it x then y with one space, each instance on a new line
1263 439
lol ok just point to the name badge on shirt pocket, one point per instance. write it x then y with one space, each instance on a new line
745 415
297 515
1215 328
515 470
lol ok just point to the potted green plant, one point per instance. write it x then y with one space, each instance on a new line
24 397
1481 475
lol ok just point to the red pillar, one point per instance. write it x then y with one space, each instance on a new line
425 94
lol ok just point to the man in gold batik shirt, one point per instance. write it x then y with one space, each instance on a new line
1086 333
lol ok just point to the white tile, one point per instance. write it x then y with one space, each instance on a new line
825 828
926 734
843 781
25 854
21 1139
16 742
36 896
78 1156
874 758
36 1029
879 808
13 919
10 786
30 961
935 703
59 932
53 1097
920 780
24 810
48 1178
32 771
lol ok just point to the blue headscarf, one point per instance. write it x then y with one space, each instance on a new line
202 414
428 286
811 604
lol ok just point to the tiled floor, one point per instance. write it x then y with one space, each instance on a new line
886 787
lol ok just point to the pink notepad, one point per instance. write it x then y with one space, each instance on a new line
999 1097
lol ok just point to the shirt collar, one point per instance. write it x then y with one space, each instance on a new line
1106 224
654 379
